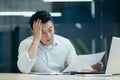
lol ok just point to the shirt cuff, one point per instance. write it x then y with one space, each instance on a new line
31 60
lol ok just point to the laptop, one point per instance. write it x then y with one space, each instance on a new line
113 64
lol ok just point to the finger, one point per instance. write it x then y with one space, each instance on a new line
98 68
40 27
37 24
99 64
34 25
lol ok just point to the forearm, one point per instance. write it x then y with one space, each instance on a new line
24 63
33 49
37 27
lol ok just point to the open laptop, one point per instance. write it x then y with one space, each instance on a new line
113 64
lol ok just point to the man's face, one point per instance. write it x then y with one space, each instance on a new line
47 33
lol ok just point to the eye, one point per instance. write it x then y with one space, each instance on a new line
43 33
50 30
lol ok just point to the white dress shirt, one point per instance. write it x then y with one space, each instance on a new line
49 58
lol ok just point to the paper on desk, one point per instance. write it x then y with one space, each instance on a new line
84 62
45 73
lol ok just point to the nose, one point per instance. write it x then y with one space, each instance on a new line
48 35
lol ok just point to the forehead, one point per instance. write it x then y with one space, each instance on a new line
47 25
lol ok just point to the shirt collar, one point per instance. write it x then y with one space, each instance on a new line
55 43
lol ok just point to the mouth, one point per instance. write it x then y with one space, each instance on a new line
49 40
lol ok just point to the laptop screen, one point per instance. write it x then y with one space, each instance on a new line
113 64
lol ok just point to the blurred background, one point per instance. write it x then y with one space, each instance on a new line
89 24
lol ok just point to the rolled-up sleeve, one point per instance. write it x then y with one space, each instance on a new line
24 63
71 52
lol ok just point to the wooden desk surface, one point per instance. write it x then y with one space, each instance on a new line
16 76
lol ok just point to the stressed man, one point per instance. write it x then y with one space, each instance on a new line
46 51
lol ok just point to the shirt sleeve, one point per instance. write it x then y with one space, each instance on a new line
71 52
24 63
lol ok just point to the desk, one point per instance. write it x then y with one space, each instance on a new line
18 76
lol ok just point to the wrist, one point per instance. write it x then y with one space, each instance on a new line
35 41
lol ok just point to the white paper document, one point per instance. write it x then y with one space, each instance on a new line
84 62
45 73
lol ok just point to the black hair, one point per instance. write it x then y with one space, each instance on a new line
44 16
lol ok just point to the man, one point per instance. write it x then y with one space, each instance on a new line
46 51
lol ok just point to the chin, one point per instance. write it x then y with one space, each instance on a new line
47 44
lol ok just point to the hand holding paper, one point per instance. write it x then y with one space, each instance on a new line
84 62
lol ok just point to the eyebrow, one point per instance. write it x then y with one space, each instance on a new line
48 28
